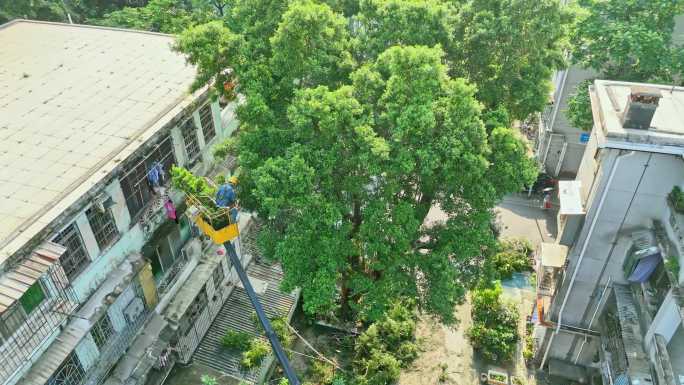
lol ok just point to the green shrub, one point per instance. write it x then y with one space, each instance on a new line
494 333
282 330
322 373
672 264
513 256
379 368
676 199
386 346
236 340
258 350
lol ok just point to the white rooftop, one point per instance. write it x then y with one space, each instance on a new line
570 197
667 126
74 102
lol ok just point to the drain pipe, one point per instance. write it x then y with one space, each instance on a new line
583 251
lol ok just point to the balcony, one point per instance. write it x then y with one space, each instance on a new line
623 359
35 300
551 259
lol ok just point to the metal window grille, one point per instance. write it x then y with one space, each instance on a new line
70 372
134 183
218 276
192 148
75 259
11 320
102 331
207 120
102 224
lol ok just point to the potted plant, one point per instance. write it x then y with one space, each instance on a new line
676 199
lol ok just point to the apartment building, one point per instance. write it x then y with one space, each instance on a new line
94 246
610 292
561 146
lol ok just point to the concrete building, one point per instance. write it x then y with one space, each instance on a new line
611 295
91 120
561 146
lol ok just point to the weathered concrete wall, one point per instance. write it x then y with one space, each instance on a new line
635 197
559 124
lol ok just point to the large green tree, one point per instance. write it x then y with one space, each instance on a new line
510 49
628 39
344 159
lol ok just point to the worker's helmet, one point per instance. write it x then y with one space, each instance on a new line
233 180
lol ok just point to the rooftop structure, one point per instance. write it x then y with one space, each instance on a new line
75 101
661 107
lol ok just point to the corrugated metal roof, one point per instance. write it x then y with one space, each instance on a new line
15 282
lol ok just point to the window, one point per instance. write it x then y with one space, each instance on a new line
70 372
32 298
207 120
102 330
102 224
75 258
134 183
218 276
11 320
189 132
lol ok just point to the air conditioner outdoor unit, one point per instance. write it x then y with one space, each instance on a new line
192 249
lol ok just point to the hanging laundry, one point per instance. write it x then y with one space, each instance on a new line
170 210
156 175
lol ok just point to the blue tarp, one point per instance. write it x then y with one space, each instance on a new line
644 268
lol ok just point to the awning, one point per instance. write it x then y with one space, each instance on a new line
15 282
644 268
570 197
553 254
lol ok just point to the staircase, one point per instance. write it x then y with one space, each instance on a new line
237 314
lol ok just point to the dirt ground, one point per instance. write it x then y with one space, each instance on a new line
448 346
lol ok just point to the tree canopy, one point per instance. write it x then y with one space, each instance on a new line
351 131
628 39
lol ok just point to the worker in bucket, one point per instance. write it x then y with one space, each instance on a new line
226 197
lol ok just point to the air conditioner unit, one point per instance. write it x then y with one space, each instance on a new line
192 249
134 309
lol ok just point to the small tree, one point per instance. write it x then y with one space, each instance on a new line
579 107
513 256
494 333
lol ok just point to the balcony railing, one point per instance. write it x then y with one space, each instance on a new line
114 349
17 351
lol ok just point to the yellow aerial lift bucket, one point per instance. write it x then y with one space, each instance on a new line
206 221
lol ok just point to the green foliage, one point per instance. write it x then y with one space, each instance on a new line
321 373
343 158
385 347
386 23
513 255
494 333
510 49
254 356
676 199
282 330
528 347
208 380
672 264
311 45
579 107
213 48
166 16
628 39
236 340
47 10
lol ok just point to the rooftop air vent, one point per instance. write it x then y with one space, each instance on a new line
641 107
